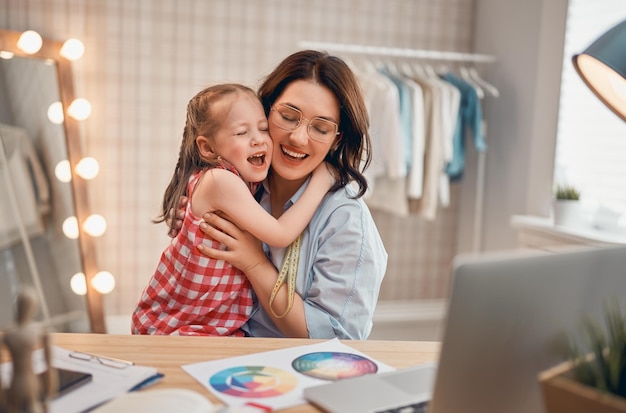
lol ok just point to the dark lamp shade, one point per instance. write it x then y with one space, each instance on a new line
603 68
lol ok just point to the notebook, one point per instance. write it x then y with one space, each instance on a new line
507 317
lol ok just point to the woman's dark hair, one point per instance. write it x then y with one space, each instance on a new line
352 153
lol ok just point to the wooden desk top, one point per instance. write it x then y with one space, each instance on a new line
168 353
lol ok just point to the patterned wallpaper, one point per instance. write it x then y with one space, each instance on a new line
144 59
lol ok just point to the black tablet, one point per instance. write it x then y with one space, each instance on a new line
70 380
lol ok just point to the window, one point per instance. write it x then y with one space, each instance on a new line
591 140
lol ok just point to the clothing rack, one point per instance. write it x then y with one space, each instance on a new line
425 55
398 52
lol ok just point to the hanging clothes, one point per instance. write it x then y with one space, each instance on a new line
418 122
434 155
29 183
387 190
469 121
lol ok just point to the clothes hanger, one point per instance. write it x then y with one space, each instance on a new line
465 75
430 72
391 66
418 70
442 69
483 83
406 69
367 65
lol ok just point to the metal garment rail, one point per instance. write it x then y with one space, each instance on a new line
398 52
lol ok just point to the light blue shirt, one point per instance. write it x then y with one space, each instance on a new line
469 118
342 264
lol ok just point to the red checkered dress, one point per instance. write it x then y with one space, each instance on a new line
191 294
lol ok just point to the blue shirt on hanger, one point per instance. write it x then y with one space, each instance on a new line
469 121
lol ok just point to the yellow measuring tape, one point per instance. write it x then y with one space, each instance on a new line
288 272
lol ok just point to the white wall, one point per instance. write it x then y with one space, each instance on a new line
527 38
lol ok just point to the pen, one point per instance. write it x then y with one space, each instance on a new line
147 382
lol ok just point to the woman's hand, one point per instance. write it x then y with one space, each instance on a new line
243 250
177 218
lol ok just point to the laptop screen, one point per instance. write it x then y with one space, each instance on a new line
508 315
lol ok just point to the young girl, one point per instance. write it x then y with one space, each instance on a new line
226 149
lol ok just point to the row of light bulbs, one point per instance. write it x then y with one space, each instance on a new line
30 42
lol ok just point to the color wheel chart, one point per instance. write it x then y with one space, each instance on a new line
253 381
330 365
277 378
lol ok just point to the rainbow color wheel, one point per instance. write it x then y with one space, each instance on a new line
328 365
253 381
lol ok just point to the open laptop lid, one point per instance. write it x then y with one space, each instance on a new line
372 393
506 319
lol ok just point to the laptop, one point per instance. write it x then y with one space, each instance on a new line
507 318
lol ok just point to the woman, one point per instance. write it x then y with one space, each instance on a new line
342 259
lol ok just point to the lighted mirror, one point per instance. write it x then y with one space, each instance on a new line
39 191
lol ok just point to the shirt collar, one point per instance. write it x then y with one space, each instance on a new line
263 195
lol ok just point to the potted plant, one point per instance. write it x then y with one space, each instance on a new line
567 192
567 211
593 381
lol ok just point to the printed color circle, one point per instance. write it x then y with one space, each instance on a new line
333 365
253 381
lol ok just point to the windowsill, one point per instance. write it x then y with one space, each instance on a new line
574 234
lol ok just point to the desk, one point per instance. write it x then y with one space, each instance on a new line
168 353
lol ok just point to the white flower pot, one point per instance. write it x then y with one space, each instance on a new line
568 213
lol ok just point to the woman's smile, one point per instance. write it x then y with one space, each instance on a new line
292 154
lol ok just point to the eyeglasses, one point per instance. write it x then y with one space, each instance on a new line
105 361
289 118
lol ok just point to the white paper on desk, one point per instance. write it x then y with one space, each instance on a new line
274 363
107 383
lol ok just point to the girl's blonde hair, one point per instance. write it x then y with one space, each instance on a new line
204 118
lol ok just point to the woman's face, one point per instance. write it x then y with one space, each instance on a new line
295 156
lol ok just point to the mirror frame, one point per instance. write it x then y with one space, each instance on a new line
50 50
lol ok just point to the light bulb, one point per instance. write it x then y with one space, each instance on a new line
55 113
79 109
30 42
87 168
95 225
63 172
78 284
103 282
4 54
70 227
72 49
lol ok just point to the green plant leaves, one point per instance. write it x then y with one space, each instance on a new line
605 368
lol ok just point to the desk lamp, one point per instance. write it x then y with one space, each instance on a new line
602 66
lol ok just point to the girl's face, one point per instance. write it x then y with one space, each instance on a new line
243 140
295 156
